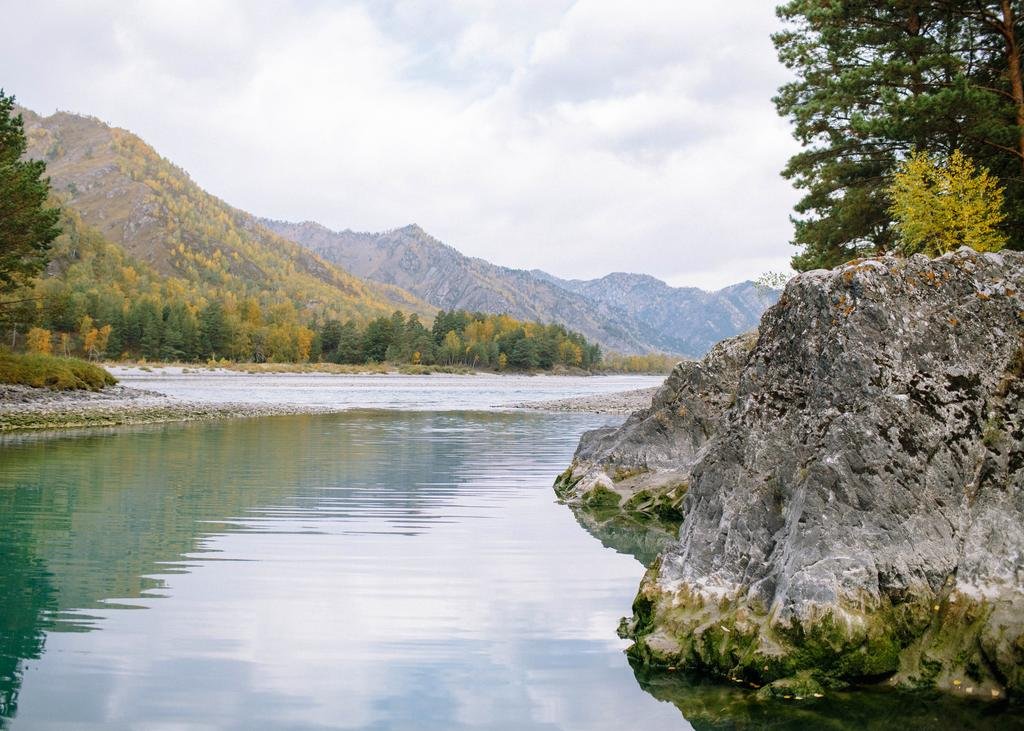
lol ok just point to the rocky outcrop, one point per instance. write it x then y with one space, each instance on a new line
644 465
856 512
626 484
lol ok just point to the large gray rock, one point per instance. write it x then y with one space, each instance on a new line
858 511
656 447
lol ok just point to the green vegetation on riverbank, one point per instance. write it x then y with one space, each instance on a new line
46 371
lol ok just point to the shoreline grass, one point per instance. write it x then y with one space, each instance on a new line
52 372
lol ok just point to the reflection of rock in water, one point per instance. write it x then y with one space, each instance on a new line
641 539
709 704
626 485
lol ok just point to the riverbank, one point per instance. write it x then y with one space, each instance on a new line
166 395
27 408
621 402
341 369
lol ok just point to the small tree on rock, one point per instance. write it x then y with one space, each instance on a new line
941 204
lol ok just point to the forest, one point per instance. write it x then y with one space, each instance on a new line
97 302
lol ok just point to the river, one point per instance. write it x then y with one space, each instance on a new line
372 569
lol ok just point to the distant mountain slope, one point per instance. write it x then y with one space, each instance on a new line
629 313
676 319
138 200
413 260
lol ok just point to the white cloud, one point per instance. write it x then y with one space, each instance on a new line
578 137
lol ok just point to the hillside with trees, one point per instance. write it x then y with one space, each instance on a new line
136 261
140 237
98 302
149 265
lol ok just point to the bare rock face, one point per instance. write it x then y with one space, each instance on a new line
856 512
653 452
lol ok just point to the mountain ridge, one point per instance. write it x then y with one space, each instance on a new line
411 258
622 311
153 210
659 307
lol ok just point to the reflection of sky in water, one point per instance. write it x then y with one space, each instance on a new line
369 570
435 392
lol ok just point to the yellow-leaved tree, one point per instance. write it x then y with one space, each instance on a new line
942 203
40 341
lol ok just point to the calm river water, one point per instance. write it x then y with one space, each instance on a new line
365 570
440 391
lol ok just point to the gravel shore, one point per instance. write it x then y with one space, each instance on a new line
623 402
26 408
23 407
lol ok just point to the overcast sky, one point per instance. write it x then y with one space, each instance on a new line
578 137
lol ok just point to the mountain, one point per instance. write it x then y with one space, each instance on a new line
683 320
629 313
183 240
118 186
415 261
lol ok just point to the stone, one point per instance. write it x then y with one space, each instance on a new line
855 510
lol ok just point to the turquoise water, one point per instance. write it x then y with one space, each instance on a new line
366 570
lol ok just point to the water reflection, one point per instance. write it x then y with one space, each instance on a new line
365 570
26 596
643 540
707 705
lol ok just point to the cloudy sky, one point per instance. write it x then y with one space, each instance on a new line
580 137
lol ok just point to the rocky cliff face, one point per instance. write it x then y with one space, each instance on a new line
855 502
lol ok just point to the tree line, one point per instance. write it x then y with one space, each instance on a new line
145 329
458 337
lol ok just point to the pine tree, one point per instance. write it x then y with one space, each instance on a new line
378 336
877 79
27 226
214 331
